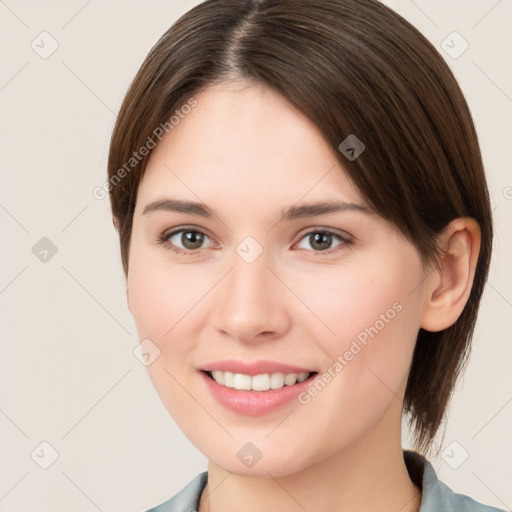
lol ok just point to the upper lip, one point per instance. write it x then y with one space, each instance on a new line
253 367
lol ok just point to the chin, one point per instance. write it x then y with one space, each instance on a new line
261 459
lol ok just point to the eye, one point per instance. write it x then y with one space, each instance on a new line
189 241
184 241
322 240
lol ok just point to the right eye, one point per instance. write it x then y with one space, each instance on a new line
184 241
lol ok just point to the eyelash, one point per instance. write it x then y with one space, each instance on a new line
163 239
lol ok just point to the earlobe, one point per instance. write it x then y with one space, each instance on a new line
450 283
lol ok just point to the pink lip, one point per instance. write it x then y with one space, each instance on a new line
254 403
253 368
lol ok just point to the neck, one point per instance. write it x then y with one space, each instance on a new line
369 475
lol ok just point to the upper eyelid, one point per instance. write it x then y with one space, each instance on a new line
172 232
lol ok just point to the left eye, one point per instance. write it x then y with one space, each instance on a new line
321 241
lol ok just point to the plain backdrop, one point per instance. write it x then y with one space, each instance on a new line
68 376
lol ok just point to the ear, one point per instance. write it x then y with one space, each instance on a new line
449 285
116 222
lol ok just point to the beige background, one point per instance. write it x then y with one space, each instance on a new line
67 372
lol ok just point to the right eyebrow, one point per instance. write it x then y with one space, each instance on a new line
175 205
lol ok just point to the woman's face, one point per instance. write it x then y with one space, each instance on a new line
251 283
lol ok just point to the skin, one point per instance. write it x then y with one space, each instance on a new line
247 152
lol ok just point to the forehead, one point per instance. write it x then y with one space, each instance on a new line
245 140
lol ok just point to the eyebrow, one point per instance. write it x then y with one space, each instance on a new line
290 213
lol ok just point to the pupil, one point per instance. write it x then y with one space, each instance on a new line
192 239
322 241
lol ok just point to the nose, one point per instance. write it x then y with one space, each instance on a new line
251 303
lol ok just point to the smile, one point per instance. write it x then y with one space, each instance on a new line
261 382
255 388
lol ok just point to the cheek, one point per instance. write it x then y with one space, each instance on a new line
164 302
162 295
373 320
361 302
167 304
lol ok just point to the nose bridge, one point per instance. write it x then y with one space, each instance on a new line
249 277
250 302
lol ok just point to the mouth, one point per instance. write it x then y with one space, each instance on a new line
260 382
255 388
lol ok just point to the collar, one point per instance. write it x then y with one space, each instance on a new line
436 496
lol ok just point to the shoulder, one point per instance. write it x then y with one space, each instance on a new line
441 497
447 500
187 500
436 494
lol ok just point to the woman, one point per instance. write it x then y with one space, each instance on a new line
306 233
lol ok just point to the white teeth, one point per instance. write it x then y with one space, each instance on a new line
229 379
242 381
277 380
262 382
302 376
290 379
218 376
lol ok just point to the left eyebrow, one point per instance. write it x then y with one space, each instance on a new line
315 209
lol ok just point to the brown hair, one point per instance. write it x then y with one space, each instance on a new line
353 67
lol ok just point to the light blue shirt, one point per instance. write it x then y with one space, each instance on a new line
436 497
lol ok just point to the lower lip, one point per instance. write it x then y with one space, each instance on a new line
254 403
